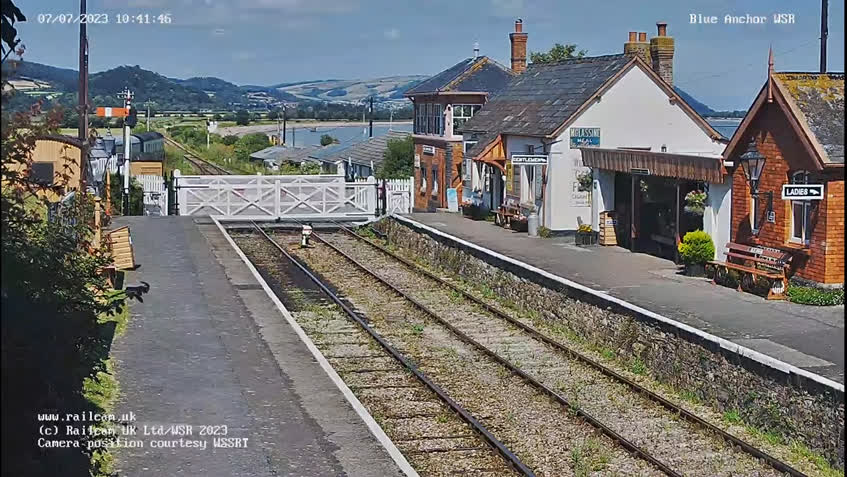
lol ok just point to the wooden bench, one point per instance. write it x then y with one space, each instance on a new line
754 262
510 216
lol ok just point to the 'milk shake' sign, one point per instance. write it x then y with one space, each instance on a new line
802 192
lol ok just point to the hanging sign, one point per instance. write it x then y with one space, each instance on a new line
429 150
529 159
637 171
802 192
585 137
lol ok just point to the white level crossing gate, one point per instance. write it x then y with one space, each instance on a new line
260 197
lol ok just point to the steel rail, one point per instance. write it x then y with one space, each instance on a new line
624 442
197 161
507 454
746 447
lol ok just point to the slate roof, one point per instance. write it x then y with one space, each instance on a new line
480 74
281 154
483 140
362 152
541 99
819 99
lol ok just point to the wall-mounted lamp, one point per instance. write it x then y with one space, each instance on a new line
753 164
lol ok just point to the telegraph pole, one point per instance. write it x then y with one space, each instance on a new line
83 77
371 114
824 32
148 115
127 96
284 117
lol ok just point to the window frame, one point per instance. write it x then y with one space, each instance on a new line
459 120
806 205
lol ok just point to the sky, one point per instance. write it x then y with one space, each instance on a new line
268 42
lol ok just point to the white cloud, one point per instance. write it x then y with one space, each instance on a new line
392 34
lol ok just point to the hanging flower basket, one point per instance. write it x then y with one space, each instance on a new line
695 202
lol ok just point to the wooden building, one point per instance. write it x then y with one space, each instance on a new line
56 162
442 105
795 127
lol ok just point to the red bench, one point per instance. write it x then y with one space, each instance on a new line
754 262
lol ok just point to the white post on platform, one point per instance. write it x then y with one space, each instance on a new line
180 194
371 195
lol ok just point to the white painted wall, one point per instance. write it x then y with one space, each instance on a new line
635 112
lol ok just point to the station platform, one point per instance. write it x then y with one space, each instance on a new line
208 347
808 337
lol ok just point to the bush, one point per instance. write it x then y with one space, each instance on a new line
696 248
816 296
229 139
544 232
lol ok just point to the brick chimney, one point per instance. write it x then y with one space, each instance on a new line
661 52
518 40
637 46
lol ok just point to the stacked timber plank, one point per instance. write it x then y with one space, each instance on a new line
120 244
608 220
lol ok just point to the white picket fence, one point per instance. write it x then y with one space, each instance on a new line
155 194
260 197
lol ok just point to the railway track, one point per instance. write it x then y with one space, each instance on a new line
672 439
203 166
436 435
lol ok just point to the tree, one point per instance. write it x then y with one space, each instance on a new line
229 139
53 296
273 114
217 117
326 140
399 160
250 143
557 53
242 117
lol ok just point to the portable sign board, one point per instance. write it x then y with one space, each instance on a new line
452 200
802 191
112 112
529 159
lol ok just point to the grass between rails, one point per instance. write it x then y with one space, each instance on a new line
796 453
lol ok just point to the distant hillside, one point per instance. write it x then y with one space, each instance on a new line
62 79
351 91
204 93
706 111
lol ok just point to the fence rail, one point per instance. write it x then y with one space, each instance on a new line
257 197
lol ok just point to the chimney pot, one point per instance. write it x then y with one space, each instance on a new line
476 50
663 28
518 41
632 36
642 37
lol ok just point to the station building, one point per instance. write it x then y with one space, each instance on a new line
442 106
579 137
793 134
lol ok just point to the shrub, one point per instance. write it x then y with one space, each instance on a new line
696 248
544 232
815 296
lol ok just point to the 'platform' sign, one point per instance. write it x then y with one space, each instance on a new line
802 192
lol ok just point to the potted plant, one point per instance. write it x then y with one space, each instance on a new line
695 202
584 235
695 250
